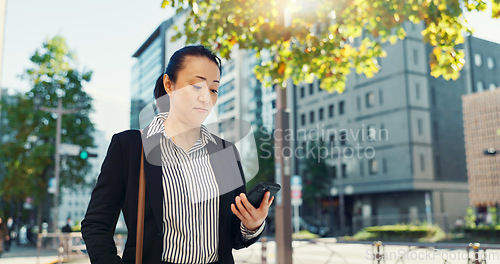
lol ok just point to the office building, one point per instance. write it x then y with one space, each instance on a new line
481 112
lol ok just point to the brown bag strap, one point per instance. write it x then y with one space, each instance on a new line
140 213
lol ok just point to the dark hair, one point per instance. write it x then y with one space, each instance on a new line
176 63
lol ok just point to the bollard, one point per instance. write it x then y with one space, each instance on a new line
476 247
38 247
264 250
378 254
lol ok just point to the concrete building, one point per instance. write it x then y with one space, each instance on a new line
481 112
402 135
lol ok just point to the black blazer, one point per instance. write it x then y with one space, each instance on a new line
117 189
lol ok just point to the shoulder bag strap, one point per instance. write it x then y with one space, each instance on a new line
140 213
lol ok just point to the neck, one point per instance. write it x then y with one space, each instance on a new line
182 133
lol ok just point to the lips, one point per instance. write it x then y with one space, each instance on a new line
201 109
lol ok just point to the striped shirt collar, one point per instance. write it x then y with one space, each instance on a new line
156 126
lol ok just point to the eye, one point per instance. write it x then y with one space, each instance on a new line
195 86
214 91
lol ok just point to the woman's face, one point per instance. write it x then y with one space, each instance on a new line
193 95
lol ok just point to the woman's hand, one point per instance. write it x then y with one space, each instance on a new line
251 217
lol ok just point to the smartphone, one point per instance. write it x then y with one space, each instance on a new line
256 194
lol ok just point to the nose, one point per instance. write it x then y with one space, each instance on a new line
204 94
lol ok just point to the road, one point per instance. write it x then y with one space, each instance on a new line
322 251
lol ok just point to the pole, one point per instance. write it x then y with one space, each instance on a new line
59 111
283 168
283 171
296 218
428 210
57 165
341 194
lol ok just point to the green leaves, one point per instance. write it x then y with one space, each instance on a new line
28 152
326 39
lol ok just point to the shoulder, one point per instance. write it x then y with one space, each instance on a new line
131 133
226 143
128 138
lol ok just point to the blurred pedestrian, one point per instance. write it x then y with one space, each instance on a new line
67 227
195 210
10 231
4 234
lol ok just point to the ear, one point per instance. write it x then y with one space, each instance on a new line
167 84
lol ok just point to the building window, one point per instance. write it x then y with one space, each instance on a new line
303 119
371 133
361 168
380 97
332 141
311 88
343 138
372 166
479 86
420 126
358 103
417 90
334 170
273 104
302 92
311 117
369 99
422 162
436 131
226 88
341 107
492 86
304 147
344 170
330 110
433 95
226 106
321 114
384 165
477 60
438 167
490 63
383 133
319 86
415 56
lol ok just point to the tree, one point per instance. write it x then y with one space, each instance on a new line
326 39
29 137
265 152
316 180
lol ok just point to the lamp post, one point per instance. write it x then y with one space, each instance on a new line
59 111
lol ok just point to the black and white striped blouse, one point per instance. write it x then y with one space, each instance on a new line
191 204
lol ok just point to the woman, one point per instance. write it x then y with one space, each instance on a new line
196 210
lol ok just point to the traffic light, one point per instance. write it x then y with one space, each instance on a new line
85 155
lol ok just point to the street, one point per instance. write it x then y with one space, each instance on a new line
321 251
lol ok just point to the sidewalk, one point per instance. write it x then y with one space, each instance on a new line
27 255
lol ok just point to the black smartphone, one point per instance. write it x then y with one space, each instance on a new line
256 194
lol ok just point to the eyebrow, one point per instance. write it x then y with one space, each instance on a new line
203 78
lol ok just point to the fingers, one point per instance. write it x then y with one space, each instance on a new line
236 212
242 208
246 202
265 200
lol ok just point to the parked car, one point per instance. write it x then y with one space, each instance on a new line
315 228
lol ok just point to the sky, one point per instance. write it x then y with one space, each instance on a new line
104 34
